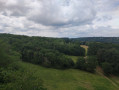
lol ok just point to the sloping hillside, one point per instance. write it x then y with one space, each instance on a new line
69 79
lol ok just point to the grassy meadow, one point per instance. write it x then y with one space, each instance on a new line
70 79
74 58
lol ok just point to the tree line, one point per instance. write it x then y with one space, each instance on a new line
107 55
48 52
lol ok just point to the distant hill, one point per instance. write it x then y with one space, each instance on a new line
98 39
83 39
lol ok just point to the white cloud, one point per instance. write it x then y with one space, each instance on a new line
57 13
60 18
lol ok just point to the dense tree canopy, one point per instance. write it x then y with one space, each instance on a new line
49 52
52 52
107 56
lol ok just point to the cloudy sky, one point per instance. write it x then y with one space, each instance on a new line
60 18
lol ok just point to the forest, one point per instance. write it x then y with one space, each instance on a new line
51 53
98 39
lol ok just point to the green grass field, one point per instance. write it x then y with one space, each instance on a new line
115 79
70 79
74 58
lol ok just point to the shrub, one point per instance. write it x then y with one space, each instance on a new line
81 63
91 63
5 59
107 68
87 64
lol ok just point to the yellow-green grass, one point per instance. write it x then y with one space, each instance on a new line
70 79
74 58
115 79
86 49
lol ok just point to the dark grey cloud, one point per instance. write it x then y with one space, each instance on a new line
14 7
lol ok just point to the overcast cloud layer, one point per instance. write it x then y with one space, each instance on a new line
60 18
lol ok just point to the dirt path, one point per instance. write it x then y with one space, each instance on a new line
86 49
101 73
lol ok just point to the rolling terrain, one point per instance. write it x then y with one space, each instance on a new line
71 79
39 63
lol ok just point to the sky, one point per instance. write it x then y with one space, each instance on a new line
60 18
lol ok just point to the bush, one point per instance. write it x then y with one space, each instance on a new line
5 59
80 64
87 64
91 63
19 80
107 68
47 58
28 82
6 76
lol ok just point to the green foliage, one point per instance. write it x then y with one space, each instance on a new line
19 80
49 52
12 76
74 58
91 63
94 47
107 68
111 58
101 55
64 46
7 56
5 76
4 56
28 82
47 58
88 64
106 53
98 39
81 64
